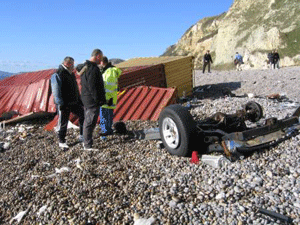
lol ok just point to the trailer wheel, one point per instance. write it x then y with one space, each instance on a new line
177 130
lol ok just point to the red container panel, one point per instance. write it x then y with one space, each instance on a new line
146 76
143 103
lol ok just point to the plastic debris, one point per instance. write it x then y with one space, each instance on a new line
215 161
42 209
61 170
20 215
6 145
72 125
143 221
250 95
78 164
194 158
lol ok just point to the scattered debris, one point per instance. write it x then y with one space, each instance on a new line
215 161
275 215
250 95
61 170
143 221
42 209
78 164
274 96
147 134
4 146
20 215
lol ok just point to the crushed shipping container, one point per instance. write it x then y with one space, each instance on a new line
178 70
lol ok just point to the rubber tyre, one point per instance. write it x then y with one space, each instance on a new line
184 125
258 111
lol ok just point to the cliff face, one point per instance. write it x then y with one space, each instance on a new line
251 27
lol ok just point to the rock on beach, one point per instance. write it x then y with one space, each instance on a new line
128 177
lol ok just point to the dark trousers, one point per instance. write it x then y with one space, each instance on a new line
208 66
63 118
106 120
90 120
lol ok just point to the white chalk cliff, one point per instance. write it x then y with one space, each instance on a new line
251 27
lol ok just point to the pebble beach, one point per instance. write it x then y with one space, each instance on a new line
129 181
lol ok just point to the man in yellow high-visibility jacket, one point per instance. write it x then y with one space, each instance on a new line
110 76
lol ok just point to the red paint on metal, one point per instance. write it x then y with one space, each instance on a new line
31 92
143 103
137 110
27 78
143 75
27 92
125 102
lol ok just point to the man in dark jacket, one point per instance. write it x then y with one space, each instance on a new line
67 99
206 61
92 94
271 59
276 59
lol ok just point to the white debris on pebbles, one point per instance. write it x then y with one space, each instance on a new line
133 177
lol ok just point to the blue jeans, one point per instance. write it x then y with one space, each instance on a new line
106 120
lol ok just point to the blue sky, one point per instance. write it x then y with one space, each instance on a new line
37 34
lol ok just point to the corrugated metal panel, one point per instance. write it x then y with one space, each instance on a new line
138 103
146 75
143 103
178 70
28 92
27 78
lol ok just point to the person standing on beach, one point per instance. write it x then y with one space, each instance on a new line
270 59
276 59
206 61
238 61
92 94
110 75
67 99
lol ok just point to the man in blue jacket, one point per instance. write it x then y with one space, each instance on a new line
238 61
92 94
67 99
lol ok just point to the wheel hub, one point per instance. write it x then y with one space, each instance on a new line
170 132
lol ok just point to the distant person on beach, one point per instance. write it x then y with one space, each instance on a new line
270 59
67 99
238 61
276 59
206 61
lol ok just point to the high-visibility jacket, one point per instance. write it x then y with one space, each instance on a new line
110 78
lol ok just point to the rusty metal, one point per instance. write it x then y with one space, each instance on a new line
226 151
233 122
142 76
